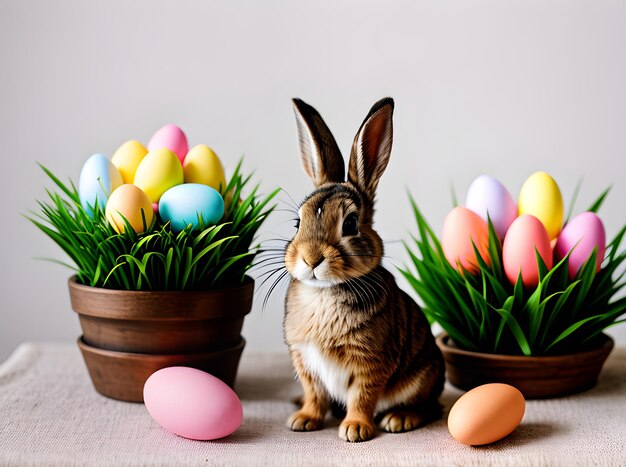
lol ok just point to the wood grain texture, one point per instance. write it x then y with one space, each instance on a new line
161 322
535 377
128 335
122 375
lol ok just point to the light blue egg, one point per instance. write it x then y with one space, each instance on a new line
98 178
184 204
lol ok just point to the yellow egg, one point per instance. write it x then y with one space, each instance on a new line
541 197
131 203
202 165
486 414
127 158
159 171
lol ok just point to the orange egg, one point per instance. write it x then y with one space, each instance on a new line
460 228
525 234
486 414
129 203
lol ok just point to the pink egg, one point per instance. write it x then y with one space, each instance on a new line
172 138
486 195
460 228
580 236
192 403
525 234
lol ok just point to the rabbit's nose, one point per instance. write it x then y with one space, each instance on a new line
313 261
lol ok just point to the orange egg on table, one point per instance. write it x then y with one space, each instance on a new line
525 236
486 414
460 228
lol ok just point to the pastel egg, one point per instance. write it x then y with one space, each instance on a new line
131 203
581 235
188 204
525 234
98 178
159 171
192 403
127 158
541 197
486 196
202 165
172 138
460 228
486 414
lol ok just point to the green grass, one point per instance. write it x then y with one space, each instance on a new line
159 259
485 313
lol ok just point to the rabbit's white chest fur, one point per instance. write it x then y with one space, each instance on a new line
333 377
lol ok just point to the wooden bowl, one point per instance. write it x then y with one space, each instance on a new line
535 377
122 375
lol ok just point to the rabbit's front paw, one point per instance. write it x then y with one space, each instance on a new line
303 421
399 422
356 431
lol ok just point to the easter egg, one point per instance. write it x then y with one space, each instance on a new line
525 234
202 165
159 171
486 414
184 204
127 158
486 196
131 203
581 235
192 403
172 138
460 228
98 178
541 197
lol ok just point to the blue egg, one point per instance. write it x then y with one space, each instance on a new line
187 203
98 179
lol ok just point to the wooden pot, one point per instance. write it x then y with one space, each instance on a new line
535 377
127 335
122 375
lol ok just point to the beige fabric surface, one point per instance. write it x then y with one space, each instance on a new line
51 415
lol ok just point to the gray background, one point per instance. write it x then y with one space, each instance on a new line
499 87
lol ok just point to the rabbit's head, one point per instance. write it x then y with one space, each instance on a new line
335 241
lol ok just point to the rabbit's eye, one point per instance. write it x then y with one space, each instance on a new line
350 225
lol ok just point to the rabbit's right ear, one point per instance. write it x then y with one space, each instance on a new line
320 155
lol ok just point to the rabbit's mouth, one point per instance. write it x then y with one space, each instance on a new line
319 274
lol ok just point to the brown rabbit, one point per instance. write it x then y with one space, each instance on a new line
354 337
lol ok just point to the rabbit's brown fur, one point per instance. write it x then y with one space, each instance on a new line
354 337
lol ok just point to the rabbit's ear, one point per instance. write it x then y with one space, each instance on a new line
372 147
321 158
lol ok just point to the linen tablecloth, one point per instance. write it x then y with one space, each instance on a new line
51 415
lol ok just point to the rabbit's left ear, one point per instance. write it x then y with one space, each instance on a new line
372 147
319 153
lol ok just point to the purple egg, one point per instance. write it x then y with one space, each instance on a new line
486 195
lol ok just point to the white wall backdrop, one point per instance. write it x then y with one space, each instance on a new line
499 87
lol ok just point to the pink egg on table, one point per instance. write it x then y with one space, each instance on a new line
581 235
460 228
525 235
192 403
172 138
487 196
